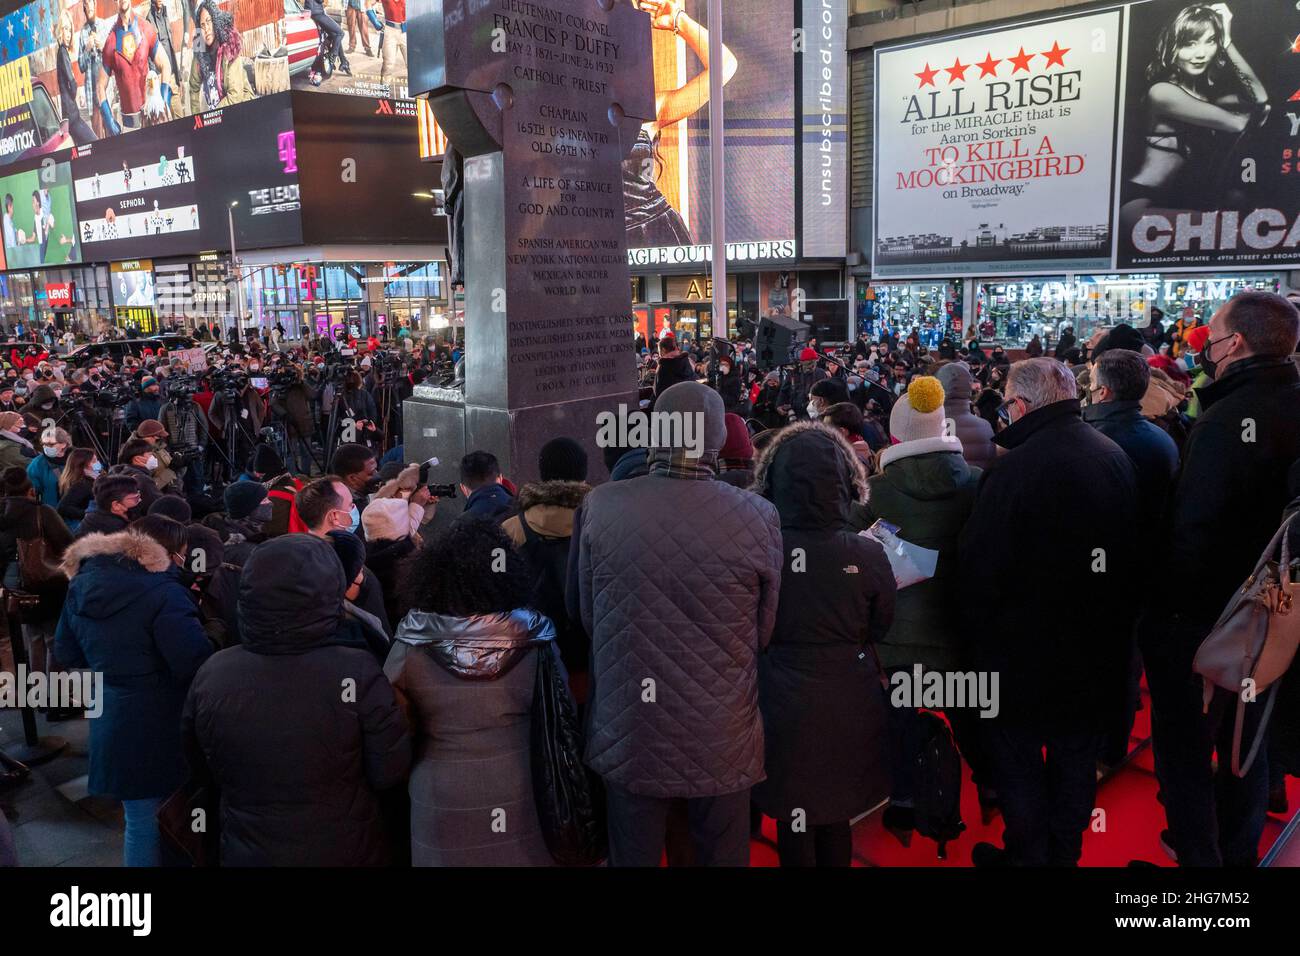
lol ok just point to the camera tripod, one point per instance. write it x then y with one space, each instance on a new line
233 430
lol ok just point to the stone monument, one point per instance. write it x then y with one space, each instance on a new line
543 99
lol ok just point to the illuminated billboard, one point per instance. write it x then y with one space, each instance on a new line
666 180
40 228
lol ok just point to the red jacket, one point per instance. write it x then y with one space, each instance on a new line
27 361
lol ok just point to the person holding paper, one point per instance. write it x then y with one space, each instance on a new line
927 489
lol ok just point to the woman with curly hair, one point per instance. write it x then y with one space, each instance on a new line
219 77
463 665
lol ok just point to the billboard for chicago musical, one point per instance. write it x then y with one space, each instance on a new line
996 149
1211 141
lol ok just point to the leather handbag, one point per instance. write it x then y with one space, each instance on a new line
35 566
1254 641
179 815
569 797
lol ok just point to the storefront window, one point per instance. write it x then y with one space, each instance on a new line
357 298
933 308
1012 312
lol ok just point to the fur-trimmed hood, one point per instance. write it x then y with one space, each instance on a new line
143 550
548 507
818 491
560 494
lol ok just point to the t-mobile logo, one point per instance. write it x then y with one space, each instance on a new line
288 151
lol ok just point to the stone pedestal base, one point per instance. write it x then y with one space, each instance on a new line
449 430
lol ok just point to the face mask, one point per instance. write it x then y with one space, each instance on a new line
355 517
1208 365
151 464
50 452
814 410
96 468
725 369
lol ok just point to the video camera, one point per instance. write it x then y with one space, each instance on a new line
183 386
281 380
438 491
114 394
228 384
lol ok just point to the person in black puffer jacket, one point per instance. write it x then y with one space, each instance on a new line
300 773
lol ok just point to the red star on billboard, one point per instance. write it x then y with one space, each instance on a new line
1021 60
1056 55
927 75
989 66
957 71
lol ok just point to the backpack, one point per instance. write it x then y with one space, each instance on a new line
296 523
938 784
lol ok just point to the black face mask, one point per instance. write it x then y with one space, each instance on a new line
1208 365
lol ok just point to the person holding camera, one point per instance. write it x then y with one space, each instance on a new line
186 424
291 398
152 432
236 405
148 405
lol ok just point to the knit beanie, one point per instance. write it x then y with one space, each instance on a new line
242 497
919 414
738 446
351 552
266 461
562 459
174 507
389 519
692 398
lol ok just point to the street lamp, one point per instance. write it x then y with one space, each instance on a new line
234 264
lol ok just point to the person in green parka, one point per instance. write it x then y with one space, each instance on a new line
925 488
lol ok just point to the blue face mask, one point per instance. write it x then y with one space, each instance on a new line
355 515
96 468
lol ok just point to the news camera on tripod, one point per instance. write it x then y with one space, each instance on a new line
186 427
237 412
291 421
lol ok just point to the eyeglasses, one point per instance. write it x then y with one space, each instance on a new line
1004 410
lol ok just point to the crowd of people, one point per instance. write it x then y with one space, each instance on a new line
349 666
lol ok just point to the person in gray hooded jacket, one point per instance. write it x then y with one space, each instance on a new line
974 433
677 615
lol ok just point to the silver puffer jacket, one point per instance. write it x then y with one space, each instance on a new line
483 647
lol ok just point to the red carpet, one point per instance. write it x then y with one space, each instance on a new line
1133 821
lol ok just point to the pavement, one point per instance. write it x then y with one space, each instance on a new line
54 821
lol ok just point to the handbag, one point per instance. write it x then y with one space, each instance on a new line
1254 639
34 564
176 819
570 798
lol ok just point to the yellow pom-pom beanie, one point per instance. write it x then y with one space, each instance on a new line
919 413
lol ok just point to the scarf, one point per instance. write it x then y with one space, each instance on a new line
675 463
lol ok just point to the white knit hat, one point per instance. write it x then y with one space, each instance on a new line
390 519
918 414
